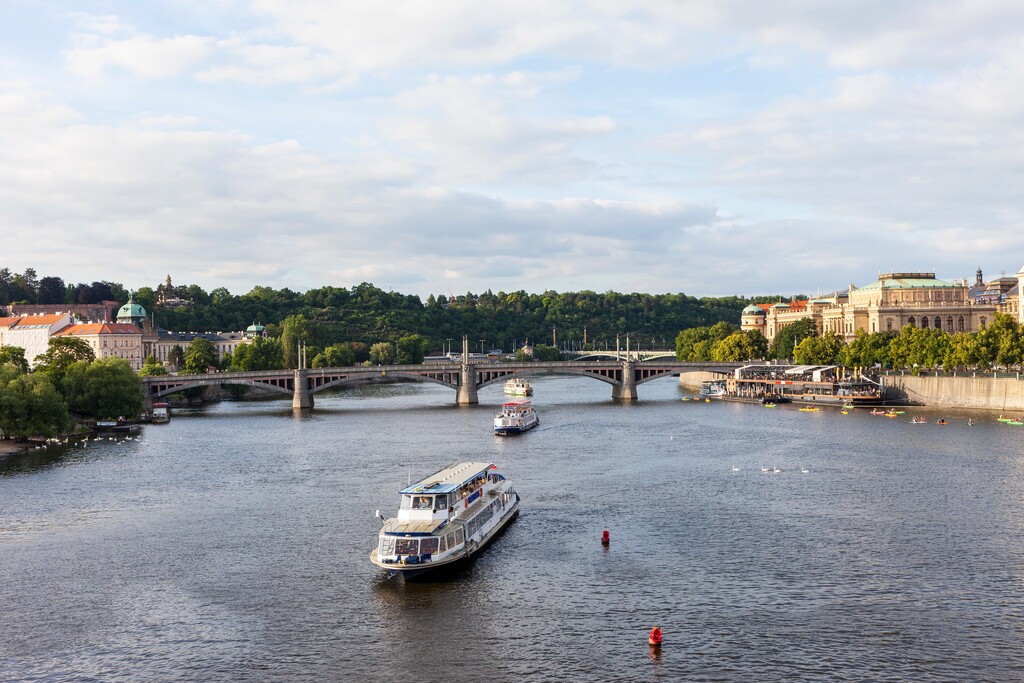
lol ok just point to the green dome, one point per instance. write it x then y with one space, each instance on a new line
131 311
780 305
752 310
255 328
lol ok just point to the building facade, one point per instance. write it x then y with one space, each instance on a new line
109 340
32 332
892 302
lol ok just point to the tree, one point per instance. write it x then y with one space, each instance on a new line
14 355
199 356
52 290
382 353
867 350
822 350
152 367
61 353
263 353
30 405
295 329
787 338
104 389
735 347
543 352
176 356
335 356
411 349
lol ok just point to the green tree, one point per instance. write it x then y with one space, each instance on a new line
263 353
382 353
787 338
735 347
959 352
176 357
295 329
411 349
14 355
335 356
61 353
30 405
152 367
866 350
104 389
543 352
199 356
822 350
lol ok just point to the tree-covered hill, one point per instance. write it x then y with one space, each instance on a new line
368 314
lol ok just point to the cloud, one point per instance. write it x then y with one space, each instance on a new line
92 55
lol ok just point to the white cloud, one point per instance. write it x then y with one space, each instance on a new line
92 55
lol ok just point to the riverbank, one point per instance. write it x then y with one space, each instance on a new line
979 392
1005 394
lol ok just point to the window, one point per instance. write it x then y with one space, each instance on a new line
422 503
407 546
888 324
444 544
938 323
387 545
924 322
982 321
428 546
949 323
960 324
460 536
911 321
441 502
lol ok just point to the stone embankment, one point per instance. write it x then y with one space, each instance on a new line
980 391
974 391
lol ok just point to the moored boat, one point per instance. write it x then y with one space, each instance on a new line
445 518
515 417
161 413
518 386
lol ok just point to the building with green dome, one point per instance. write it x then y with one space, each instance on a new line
132 313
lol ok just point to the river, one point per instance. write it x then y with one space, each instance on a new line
232 545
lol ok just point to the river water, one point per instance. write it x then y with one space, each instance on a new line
233 544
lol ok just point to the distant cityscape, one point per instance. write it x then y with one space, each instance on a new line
893 301
889 303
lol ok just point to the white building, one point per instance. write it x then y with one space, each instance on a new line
32 332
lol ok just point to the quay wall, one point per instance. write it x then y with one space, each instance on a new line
692 380
989 393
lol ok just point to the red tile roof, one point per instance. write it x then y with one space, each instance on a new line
38 320
83 329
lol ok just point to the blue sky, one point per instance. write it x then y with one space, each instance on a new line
715 148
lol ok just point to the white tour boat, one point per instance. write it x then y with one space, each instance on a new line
518 386
445 518
515 417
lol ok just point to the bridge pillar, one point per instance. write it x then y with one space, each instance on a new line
302 398
627 390
466 394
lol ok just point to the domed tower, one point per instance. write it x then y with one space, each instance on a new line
255 330
132 313
752 318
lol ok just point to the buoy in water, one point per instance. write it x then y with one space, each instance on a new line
654 638
606 537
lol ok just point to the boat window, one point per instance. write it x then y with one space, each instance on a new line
451 540
460 536
421 502
387 545
407 546
444 544
440 502
428 545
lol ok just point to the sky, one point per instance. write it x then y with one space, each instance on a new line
712 147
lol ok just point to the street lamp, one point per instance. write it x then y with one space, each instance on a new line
482 346
449 340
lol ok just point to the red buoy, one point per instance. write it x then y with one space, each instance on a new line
606 537
655 637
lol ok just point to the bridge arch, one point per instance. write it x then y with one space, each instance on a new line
608 377
385 376
220 382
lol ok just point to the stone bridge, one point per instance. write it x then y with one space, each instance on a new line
465 378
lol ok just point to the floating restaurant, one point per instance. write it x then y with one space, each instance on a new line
809 384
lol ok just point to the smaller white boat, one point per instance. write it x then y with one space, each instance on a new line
518 386
515 417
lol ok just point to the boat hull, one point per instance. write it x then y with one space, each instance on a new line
414 571
508 431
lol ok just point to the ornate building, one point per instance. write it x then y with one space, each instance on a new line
893 301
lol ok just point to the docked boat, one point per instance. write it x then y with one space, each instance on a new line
445 518
714 388
515 417
161 413
518 386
